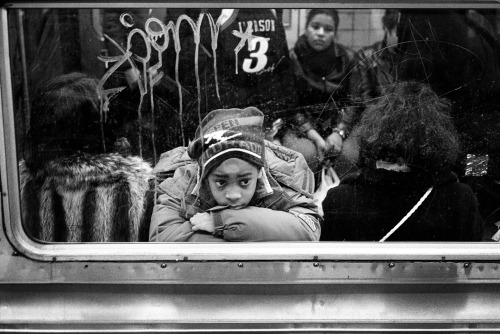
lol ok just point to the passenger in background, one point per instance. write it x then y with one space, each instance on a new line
252 66
461 53
232 185
321 67
72 188
374 67
320 63
408 145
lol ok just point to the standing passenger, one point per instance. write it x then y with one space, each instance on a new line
374 67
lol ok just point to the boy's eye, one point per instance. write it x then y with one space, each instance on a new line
245 182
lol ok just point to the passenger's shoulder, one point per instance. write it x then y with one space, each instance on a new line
179 180
449 182
344 51
289 168
284 159
171 160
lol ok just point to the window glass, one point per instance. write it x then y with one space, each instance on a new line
395 111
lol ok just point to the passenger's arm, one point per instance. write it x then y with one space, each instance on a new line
263 224
167 224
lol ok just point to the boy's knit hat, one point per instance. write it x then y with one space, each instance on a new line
228 133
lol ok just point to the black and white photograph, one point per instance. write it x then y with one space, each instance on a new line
250 166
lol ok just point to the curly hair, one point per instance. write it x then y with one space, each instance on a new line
411 122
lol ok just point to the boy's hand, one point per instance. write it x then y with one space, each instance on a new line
202 222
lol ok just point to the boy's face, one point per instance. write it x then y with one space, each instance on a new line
233 182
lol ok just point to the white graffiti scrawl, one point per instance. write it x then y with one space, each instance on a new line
156 37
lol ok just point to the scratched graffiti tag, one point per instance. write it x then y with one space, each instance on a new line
149 75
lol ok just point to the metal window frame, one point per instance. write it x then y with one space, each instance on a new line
272 251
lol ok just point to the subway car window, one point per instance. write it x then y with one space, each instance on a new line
257 124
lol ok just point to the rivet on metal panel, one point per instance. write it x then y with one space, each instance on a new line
15 253
240 265
164 265
466 265
391 265
316 264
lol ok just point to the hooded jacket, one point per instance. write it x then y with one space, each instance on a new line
369 203
282 209
88 198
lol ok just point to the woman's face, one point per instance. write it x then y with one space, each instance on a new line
320 32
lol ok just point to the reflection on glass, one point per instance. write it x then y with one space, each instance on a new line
158 72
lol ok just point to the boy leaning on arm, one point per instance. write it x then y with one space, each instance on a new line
232 185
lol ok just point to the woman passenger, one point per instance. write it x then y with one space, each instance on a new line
407 146
321 67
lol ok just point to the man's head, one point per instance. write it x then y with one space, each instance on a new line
232 135
390 23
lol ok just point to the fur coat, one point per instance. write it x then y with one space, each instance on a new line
84 198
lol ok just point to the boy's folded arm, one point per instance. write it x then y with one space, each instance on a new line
263 224
168 226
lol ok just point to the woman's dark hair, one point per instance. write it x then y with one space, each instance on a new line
409 121
66 119
326 11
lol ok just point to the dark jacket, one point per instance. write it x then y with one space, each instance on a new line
88 198
320 75
286 212
369 203
374 67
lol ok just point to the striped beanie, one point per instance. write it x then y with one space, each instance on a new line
228 133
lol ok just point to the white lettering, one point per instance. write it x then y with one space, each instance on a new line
217 136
